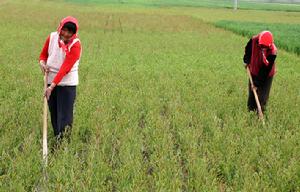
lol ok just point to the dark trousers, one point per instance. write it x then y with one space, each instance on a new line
61 104
263 91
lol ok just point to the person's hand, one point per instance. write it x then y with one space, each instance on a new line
253 87
48 91
44 67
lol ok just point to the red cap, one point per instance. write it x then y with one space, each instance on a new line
265 38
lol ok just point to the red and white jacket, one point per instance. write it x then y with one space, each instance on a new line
62 59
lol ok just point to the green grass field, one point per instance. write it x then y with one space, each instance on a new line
286 34
242 4
161 104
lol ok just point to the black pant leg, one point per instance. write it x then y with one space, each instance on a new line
264 92
68 100
251 99
52 104
65 102
59 109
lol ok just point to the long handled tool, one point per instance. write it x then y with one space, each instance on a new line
45 124
260 114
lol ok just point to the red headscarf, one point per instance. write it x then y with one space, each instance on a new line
62 23
265 38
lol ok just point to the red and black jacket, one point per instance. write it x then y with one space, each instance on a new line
261 64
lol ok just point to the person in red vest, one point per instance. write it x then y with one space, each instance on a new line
60 59
260 55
